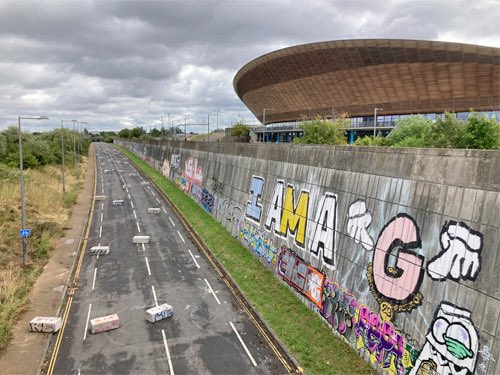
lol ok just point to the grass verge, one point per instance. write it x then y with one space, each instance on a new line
305 334
47 211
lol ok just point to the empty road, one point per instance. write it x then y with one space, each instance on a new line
208 334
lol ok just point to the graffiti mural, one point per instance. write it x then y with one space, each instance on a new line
175 160
396 273
386 346
322 245
227 210
254 208
260 243
192 172
165 169
339 308
304 278
216 186
359 219
460 255
452 344
207 200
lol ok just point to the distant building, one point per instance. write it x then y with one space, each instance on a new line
395 77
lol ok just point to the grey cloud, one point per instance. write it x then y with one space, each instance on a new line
119 63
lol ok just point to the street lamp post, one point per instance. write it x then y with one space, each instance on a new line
208 127
185 129
62 152
375 121
81 135
23 206
264 120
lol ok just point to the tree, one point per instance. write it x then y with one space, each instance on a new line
124 133
446 133
323 131
481 133
410 131
240 130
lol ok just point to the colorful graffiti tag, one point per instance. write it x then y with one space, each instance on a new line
260 243
304 278
396 273
452 344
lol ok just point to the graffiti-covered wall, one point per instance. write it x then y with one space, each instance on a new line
396 249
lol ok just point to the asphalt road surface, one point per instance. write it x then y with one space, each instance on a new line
208 333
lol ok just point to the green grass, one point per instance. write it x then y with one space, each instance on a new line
305 334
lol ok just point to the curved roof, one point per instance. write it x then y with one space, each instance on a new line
400 76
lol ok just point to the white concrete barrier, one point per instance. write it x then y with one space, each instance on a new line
160 312
99 250
107 171
118 202
45 324
154 210
100 197
126 186
132 174
105 323
144 183
140 239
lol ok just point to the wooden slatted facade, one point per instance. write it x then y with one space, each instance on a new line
400 76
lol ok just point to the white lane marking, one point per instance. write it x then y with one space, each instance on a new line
78 371
93 282
129 196
147 265
87 324
101 215
195 262
169 218
212 291
143 247
102 206
152 192
243 344
100 231
164 209
180 235
135 215
158 200
154 295
168 353
138 227
132 204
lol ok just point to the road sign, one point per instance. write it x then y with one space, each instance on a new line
25 232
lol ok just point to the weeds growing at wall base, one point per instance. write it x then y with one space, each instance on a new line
305 334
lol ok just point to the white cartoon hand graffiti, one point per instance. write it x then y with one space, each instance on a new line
357 224
460 255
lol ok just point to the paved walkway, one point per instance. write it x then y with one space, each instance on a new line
24 353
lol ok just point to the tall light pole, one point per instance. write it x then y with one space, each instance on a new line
208 127
23 206
217 117
375 121
81 134
185 129
264 119
62 152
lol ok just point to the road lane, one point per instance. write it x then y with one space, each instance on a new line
208 333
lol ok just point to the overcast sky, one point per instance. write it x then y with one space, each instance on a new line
117 64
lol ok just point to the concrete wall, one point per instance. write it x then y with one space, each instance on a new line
396 249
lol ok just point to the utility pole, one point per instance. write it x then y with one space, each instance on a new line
208 127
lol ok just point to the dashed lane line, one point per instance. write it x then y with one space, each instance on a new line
169 218
168 353
212 291
147 265
243 344
194 260
154 295
138 227
87 323
95 274
180 235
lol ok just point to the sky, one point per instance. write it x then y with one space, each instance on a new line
121 64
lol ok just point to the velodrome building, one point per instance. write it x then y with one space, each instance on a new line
376 81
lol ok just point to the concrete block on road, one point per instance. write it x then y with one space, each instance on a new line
118 202
154 210
126 186
107 171
160 312
100 197
99 250
105 323
45 324
140 239
143 183
132 174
